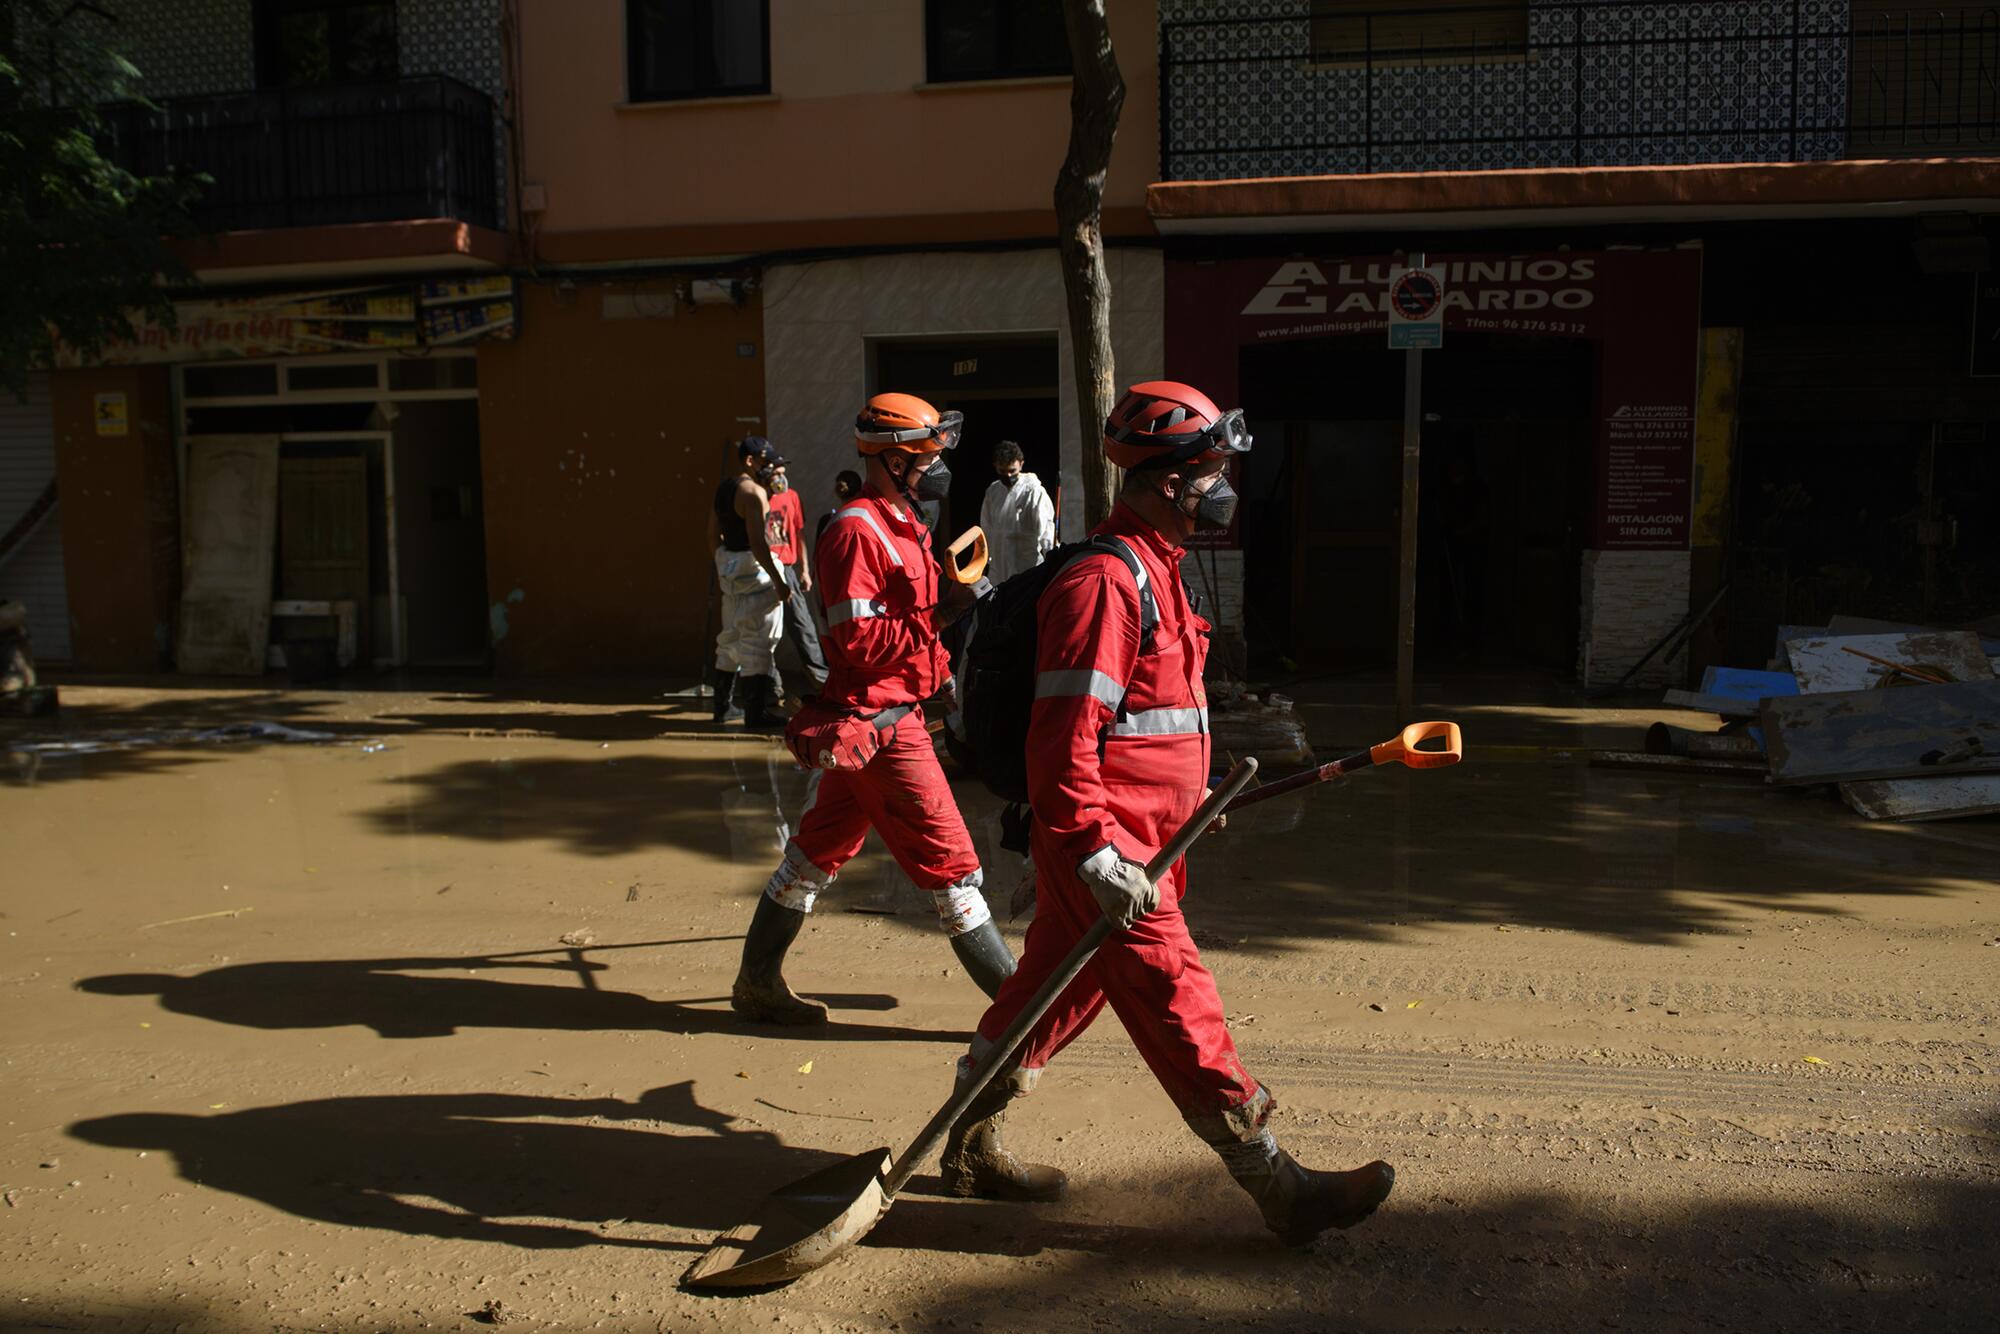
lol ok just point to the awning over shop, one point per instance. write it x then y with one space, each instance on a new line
1571 195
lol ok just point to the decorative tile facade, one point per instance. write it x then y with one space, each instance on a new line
1598 84
195 48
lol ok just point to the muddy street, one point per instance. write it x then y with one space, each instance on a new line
421 1020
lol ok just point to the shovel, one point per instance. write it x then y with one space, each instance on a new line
1403 749
800 1227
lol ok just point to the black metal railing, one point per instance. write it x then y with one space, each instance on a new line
1336 90
367 152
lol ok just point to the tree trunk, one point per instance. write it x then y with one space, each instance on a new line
1096 97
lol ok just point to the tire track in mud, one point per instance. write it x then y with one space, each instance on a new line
1462 1109
1594 993
1477 1094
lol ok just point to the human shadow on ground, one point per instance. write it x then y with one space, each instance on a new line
380 994
475 1167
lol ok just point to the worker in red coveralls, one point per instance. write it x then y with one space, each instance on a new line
884 603
1118 756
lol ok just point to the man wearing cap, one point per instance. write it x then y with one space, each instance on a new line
753 583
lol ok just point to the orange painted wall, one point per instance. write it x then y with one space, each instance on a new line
846 134
601 445
120 498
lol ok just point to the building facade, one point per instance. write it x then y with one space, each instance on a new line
1713 279
489 289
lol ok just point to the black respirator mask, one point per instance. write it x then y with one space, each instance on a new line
933 483
1214 509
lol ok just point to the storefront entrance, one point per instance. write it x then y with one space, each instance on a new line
377 538
1005 384
1503 504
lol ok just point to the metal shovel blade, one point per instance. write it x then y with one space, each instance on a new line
798 1227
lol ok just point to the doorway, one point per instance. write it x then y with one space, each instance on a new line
379 498
1503 493
1007 385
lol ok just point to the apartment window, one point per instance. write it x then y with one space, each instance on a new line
311 43
1366 30
994 39
697 48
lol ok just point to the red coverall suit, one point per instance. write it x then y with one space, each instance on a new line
879 584
1118 754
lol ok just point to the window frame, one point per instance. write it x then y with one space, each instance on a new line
1517 14
638 95
934 74
265 23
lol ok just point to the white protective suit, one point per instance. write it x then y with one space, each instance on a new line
1020 525
752 618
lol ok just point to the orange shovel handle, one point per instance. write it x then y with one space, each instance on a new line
1403 748
962 568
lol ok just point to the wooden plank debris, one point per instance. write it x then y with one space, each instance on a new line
1912 799
1921 731
1862 625
1680 764
1825 665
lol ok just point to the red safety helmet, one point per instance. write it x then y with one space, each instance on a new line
1164 420
904 421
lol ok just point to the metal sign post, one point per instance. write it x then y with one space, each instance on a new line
1416 321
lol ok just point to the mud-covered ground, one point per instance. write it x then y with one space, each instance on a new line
292 1040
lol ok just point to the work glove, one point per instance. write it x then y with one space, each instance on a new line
1122 889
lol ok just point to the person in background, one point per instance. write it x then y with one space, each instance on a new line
846 487
753 596
1019 520
798 645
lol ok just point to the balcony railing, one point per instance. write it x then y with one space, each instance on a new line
1565 83
370 152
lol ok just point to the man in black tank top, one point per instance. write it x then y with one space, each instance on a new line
753 588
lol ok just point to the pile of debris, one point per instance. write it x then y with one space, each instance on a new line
1243 722
20 692
1904 720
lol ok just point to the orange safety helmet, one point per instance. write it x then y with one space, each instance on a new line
1165 420
904 421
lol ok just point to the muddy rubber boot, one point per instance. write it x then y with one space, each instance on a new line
977 1163
760 992
986 957
1297 1203
759 704
723 684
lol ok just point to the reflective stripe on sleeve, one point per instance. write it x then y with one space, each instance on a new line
1079 681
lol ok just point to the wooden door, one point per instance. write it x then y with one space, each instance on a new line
323 537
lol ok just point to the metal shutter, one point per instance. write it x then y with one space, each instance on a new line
33 571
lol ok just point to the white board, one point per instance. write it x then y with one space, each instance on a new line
227 549
1823 665
1924 798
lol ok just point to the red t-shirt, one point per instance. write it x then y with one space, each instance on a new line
787 521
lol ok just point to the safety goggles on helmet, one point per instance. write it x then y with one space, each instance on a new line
870 430
1228 434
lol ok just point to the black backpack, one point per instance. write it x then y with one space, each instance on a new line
996 679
